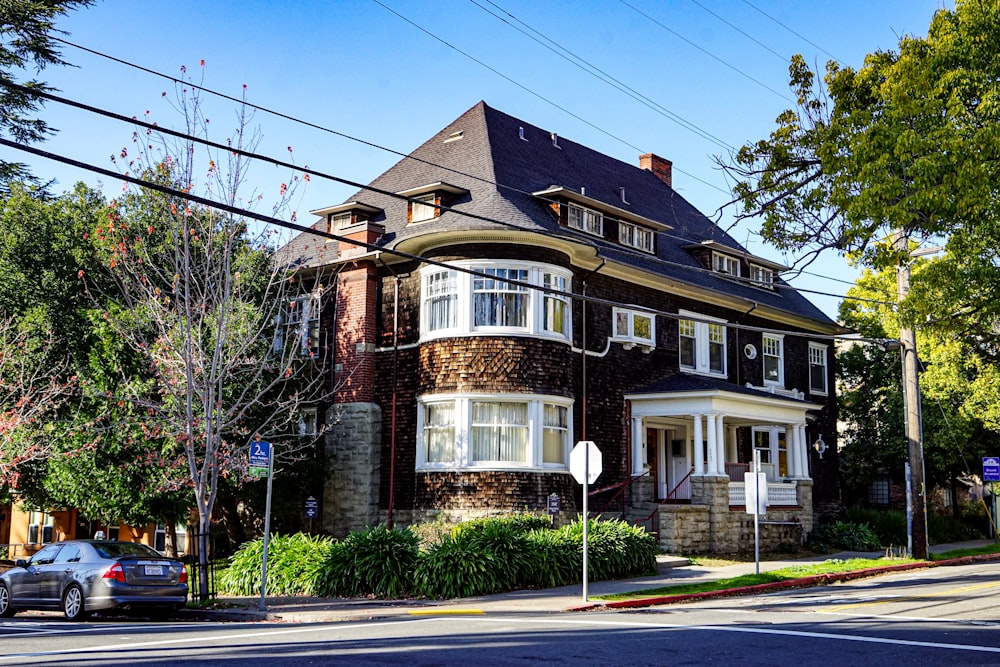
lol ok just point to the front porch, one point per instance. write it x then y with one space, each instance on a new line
693 496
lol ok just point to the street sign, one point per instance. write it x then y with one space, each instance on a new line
553 504
755 488
312 508
585 455
991 468
260 458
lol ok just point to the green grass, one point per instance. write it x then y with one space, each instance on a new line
958 553
831 566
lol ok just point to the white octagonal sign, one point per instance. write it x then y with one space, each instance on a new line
589 469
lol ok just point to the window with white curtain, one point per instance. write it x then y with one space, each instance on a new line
499 298
505 431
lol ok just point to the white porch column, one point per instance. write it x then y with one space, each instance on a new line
699 451
713 445
732 447
803 453
792 449
638 460
720 447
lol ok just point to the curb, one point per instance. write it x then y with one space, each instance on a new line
802 582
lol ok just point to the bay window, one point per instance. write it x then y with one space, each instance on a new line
458 303
506 431
634 327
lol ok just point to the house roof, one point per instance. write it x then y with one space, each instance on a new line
501 161
680 383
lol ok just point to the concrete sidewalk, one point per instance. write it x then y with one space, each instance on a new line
671 571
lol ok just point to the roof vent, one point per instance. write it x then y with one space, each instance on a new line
454 136
621 194
583 190
520 133
555 140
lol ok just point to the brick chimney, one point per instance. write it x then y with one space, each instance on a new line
662 168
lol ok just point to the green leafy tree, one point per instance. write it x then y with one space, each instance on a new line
26 43
198 295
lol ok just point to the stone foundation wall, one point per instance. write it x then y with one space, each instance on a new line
709 526
352 445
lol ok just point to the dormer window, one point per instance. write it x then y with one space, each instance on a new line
339 221
422 208
761 276
635 236
425 202
585 219
726 264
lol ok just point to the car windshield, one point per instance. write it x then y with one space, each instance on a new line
117 549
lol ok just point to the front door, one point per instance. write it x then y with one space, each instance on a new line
680 469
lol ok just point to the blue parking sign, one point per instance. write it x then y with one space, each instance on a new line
260 458
991 468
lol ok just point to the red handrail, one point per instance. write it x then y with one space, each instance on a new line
678 486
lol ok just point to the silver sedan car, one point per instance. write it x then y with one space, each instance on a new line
82 576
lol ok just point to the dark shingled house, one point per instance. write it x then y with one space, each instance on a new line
551 294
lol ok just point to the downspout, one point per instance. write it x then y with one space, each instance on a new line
395 375
583 353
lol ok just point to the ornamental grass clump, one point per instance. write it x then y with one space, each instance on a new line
456 566
293 565
383 560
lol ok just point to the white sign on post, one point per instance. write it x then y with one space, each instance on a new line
755 484
585 455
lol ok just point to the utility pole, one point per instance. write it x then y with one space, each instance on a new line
911 411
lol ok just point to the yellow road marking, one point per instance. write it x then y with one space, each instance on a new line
447 612
907 598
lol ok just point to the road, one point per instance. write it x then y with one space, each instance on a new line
941 616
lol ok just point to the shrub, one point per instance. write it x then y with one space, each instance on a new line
557 559
456 566
383 560
889 525
846 536
293 564
336 577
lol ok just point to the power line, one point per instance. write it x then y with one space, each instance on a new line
536 94
271 220
600 74
370 188
756 41
800 36
706 52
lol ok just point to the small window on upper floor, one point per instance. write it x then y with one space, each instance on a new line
340 221
308 420
774 360
423 207
761 276
702 346
726 264
585 219
634 327
817 369
635 236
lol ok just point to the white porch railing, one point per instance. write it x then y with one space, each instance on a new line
777 494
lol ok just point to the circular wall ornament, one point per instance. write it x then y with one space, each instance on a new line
750 351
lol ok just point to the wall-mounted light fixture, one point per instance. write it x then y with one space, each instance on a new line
819 445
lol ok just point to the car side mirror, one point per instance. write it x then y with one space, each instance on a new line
20 562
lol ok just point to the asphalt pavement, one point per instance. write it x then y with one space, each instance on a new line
671 570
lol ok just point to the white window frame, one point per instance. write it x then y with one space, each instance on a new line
761 276
623 327
585 219
302 319
547 314
423 207
727 264
635 236
462 426
707 331
341 220
773 350
818 358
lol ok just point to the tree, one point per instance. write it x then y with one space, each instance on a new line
904 148
958 428
199 296
26 42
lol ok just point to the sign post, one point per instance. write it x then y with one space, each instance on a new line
585 464
991 474
262 459
755 491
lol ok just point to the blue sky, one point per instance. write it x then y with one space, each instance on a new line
713 71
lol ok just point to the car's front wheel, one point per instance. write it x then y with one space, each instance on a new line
73 604
6 611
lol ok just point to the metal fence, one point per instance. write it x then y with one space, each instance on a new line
211 570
